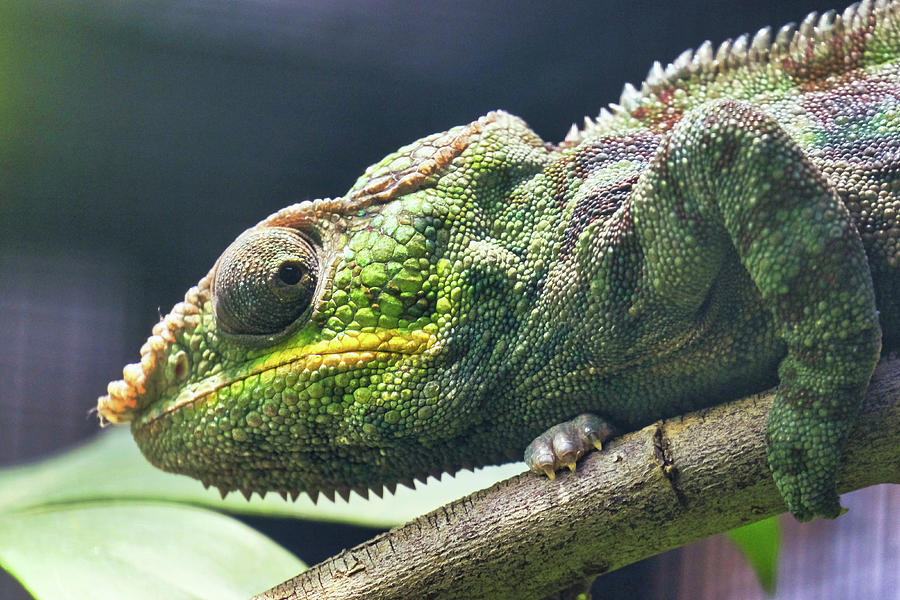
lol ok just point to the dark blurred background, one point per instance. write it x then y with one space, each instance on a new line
137 139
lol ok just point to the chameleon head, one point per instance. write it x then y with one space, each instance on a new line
344 343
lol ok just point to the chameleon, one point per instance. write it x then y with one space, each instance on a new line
730 225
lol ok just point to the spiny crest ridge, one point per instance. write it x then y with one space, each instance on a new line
791 41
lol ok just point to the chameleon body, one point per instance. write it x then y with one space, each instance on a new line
732 225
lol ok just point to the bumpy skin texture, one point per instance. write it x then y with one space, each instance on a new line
732 226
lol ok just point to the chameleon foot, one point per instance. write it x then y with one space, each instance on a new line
562 445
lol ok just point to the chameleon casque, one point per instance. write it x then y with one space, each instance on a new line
732 225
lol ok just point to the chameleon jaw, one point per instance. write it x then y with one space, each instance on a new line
237 465
307 479
347 351
126 398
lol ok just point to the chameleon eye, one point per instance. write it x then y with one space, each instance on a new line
265 280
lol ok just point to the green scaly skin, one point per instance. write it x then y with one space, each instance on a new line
732 226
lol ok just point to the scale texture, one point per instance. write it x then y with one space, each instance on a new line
731 225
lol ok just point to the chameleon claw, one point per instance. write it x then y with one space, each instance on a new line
562 445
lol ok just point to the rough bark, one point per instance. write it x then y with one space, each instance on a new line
668 484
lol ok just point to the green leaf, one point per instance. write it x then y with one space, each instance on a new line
759 543
111 467
101 522
133 550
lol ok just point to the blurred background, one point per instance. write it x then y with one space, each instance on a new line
137 139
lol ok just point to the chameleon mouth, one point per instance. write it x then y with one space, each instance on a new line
132 398
346 351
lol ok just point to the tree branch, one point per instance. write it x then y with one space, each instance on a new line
668 484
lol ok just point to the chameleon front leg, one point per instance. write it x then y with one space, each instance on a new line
729 179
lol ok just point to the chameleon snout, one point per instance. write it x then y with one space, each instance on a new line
163 364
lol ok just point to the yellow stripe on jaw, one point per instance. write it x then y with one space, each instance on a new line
349 349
